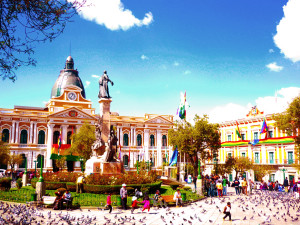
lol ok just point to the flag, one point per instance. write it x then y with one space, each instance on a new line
59 141
264 127
254 142
173 160
237 131
181 111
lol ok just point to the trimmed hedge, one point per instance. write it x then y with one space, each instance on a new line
115 189
5 184
71 186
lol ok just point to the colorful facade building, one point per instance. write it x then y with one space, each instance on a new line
273 147
35 132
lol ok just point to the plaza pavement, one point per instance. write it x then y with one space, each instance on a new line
259 208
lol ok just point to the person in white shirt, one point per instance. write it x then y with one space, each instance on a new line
177 198
227 211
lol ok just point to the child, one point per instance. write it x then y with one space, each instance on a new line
146 203
134 204
227 211
108 202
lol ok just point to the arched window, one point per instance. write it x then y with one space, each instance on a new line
69 134
55 137
125 160
5 135
125 140
22 165
70 165
164 140
152 140
40 159
23 137
41 137
139 140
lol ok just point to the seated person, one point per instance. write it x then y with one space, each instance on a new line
177 198
159 199
68 199
58 201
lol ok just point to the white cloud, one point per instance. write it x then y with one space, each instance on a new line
176 63
143 57
112 14
87 83
287 37
274 67
187 72
96 76
271 50
267 104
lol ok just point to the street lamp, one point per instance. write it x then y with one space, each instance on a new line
35 161
137 164
199 167
283 170
216 162
81 164
41 175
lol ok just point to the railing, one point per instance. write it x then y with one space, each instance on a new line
288 161
42 146
23 146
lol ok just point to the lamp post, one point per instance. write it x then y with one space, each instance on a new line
216 163
137 164
283 170
25 165
41 175
81 164
35 161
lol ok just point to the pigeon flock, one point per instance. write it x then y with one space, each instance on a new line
263 207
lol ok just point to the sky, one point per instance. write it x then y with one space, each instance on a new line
227 55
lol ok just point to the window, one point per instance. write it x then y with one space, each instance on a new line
271 157
164 140
255 135
22 165
229 137
152 140
5 135
243 154
290 158
23 138
139 140
270 134
69 134
125 140
272 177
70 165
125 160
41 137
243 136
229 155
230 178
55 137
256 157
40 159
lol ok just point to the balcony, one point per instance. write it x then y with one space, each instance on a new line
42 146
288 161
23 145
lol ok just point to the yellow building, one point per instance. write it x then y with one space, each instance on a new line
271 148
33 132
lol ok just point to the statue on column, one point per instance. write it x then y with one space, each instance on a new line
99 142
103 86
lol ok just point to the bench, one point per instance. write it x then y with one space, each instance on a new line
168 198
48 200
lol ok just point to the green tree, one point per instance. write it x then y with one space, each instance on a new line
82 142
61 162
26 22
225 168
14 159
203 138
241 164
289 122
262 170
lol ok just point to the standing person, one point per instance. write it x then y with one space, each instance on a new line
80 181
251 183
219 189
244 186
123 194
108 202
225 183
240 184
227 209
207 186
286 185
177 197
212 188
195 183
146 203
236 184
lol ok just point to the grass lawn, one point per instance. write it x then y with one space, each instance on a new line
86 199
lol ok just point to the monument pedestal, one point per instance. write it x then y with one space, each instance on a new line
24 179
40 190
199 187
105 114
96 165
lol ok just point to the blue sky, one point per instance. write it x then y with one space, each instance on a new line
227 55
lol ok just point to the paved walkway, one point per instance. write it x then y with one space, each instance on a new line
259 208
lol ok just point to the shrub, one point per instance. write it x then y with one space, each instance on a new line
5 183
174 185
19 183
71 186
55 185
33 182
187 188
61 176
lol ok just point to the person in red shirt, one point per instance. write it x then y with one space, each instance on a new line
134 204
108 202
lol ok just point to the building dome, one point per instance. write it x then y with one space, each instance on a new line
68 76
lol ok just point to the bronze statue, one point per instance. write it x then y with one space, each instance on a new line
99 142
112 143
103 86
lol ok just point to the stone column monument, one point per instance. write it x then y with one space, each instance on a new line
104 158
